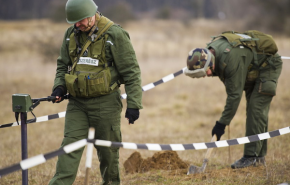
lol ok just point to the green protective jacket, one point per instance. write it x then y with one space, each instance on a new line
231 65
119 50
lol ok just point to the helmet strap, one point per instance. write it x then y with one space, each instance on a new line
89 25
208 59
94 29
212 71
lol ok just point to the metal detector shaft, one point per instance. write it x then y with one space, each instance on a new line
36 102
24 152
49 98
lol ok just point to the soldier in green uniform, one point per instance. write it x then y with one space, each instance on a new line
96 56
240 69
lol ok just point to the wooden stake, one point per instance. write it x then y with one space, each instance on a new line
89 155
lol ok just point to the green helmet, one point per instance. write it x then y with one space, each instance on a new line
77 10
198 58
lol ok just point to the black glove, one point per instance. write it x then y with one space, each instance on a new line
218 130
58 91
132 115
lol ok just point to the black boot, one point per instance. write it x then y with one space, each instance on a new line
260 161
244 162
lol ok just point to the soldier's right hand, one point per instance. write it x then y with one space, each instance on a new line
58 92
218 130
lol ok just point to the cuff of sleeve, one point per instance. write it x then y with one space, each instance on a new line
220 125
60 87
134 106
223 121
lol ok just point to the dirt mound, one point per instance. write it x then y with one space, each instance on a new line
165 160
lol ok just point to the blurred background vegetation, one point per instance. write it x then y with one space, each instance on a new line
269 16
273 16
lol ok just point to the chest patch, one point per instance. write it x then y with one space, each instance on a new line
88 61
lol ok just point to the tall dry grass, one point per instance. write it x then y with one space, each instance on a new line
183 110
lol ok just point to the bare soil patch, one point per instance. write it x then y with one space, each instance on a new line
165 160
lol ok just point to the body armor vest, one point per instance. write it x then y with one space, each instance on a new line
90 74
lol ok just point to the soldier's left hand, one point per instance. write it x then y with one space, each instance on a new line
132 115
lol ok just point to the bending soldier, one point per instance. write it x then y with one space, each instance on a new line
241 67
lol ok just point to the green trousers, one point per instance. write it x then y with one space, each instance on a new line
102 113
259 97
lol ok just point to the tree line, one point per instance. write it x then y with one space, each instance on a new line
274 15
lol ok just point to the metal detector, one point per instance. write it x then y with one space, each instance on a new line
22 103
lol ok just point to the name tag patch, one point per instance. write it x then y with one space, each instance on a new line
88 61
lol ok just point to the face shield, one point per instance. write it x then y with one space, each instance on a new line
198 73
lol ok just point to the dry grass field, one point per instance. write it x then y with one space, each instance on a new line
183 110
